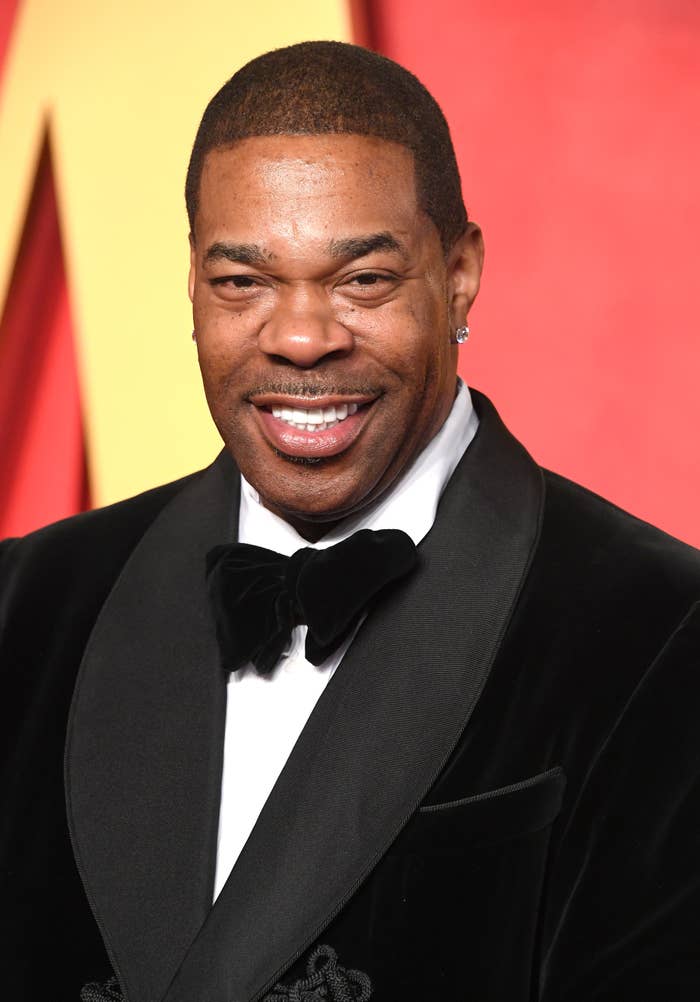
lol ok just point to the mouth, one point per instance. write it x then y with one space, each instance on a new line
311 429
314 419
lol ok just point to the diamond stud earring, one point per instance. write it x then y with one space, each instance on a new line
460 336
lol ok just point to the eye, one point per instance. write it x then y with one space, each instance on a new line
235 281
370 285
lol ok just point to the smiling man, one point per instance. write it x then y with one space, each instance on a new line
323 306
373 707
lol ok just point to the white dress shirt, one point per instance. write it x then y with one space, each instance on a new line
265 714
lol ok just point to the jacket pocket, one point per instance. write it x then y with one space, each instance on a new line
486 818
454 907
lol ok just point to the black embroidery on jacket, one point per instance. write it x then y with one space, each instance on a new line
325 981
108 992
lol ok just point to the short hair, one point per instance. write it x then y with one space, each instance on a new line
315 88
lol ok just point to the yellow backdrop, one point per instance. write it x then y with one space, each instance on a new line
122 87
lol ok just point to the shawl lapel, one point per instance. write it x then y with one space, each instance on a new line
382 730
145 738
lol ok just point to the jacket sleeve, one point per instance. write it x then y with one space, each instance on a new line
623 904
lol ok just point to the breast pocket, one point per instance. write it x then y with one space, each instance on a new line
509 812
460 892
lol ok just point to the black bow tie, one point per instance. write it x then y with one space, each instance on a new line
259 596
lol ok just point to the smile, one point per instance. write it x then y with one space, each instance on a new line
314 419
319 432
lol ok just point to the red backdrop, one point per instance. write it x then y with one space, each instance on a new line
576 130
41 431
42 455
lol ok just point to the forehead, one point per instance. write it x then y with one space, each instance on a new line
326 181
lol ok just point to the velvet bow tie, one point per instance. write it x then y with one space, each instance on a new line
259 596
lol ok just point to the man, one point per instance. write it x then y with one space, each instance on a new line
482 782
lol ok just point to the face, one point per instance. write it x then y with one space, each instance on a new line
323 305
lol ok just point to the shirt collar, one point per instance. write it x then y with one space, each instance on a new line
409 504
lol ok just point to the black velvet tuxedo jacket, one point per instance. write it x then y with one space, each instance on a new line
496 798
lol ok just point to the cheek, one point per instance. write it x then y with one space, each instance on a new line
424 361
219 367
426 340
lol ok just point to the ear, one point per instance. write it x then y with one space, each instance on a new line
193 270
464 264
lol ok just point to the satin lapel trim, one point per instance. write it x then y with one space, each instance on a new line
381 731
145 739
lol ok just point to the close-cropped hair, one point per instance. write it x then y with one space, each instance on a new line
315 88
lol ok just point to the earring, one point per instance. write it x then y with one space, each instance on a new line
460 336
194 335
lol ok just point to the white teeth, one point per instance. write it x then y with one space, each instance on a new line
315 418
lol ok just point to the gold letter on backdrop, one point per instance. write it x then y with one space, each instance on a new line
122 87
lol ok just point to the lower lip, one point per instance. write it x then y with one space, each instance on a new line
312 444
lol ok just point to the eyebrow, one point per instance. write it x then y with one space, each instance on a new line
348 249
354 247
250 254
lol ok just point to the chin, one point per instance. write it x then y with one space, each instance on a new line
316 511
317 490
304 512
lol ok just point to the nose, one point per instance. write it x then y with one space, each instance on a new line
303 332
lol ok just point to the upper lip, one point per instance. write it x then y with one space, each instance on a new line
309 403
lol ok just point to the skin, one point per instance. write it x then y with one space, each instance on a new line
317 280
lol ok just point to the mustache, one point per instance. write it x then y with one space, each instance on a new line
313 388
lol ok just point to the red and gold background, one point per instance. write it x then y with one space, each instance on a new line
576 128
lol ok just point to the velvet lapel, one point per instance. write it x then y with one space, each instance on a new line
382 730
145 737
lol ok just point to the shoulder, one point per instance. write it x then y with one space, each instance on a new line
604 538
604 639
53 584
86 550
600 572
